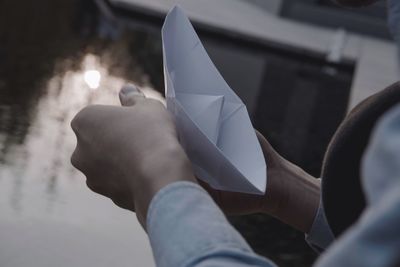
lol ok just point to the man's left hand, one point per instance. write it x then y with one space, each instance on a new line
129 153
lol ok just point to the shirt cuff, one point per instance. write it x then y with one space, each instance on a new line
320 235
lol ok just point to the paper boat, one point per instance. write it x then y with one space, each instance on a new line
213 123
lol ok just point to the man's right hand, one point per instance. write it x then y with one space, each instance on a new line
292 195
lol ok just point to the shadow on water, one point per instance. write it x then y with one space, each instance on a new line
59 56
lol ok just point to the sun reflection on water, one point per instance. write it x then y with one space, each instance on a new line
92 78
50 141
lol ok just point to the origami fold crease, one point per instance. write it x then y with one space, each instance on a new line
213 123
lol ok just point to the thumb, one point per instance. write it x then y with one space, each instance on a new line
270 154
130 94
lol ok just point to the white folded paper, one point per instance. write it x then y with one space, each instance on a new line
213 124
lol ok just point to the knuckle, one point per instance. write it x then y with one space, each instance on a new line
74 162
77 120
123 203
84 117
118 202
92 186
97 187
77 161
86 112
74 124
74 159
77 164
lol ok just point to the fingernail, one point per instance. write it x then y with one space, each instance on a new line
129 89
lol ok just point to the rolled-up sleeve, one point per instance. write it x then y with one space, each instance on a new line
186 228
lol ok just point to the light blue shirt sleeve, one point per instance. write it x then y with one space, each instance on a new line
320 235
186 228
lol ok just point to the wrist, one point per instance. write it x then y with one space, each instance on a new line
293 196
168 165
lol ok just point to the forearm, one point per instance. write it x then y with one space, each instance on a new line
295 197
298 204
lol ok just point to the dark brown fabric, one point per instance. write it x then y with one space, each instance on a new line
342 194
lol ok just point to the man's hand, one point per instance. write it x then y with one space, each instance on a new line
292 195
233 203
129 153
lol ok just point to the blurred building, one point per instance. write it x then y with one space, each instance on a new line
298 65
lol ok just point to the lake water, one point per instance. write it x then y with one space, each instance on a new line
59 56
48 216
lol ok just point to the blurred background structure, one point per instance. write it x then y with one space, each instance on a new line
300 66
